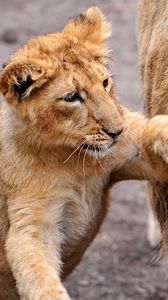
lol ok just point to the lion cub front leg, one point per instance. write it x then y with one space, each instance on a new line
34 260
155 142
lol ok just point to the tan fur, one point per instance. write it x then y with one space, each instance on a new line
153 31
54 193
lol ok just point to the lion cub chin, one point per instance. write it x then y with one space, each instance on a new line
64 140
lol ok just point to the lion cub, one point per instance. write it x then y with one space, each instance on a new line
64 139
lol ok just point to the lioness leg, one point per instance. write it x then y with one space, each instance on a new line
153 62
154 230
158 193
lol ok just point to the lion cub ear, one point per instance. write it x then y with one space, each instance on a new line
90 26
19 79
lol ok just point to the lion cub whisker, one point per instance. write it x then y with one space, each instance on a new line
66 160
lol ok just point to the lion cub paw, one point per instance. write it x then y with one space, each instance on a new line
157 134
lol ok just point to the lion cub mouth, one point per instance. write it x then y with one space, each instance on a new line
103 149
91 147
95 149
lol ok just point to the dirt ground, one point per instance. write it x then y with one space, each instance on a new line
118 265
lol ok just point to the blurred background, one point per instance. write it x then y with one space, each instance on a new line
118 265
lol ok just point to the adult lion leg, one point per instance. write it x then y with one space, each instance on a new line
153 62
154 229
159 202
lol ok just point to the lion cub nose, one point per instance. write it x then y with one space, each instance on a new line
113 134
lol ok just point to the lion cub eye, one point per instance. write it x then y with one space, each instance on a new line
105 83
72 97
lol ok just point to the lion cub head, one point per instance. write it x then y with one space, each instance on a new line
59 87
